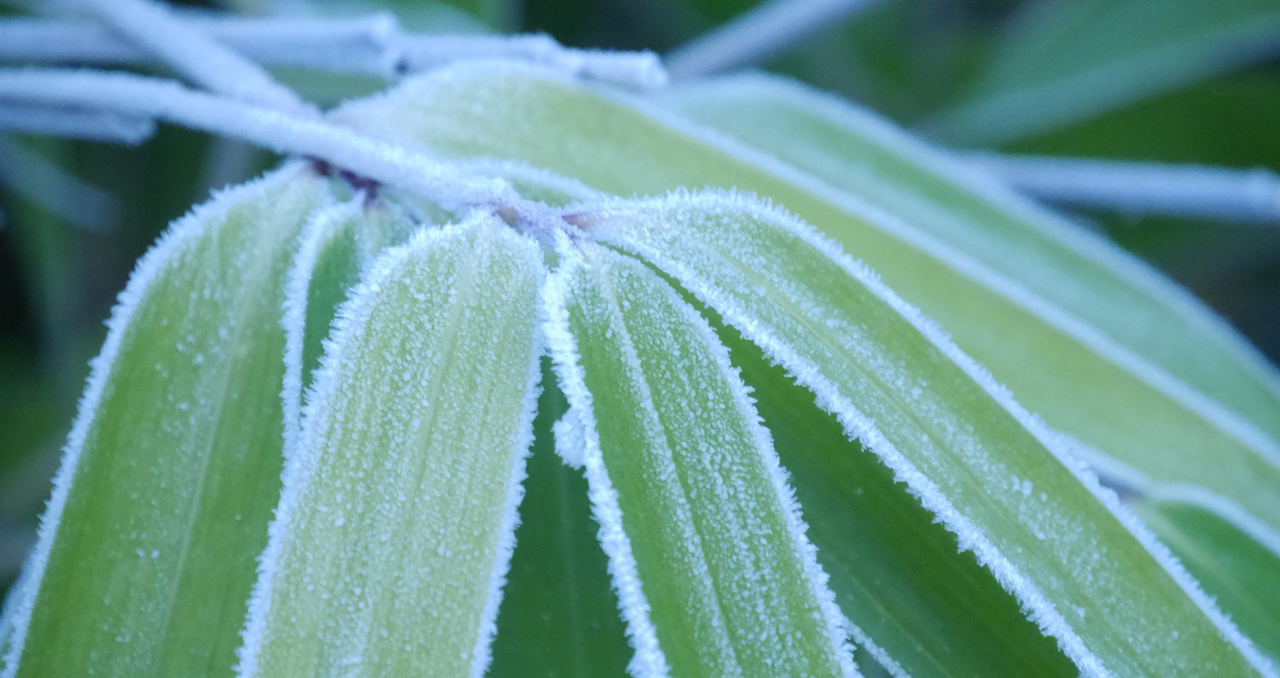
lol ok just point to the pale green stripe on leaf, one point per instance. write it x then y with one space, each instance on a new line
619 146
146 554
395 525
674 447
988 471
558 616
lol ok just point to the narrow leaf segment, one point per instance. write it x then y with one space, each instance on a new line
395 526
997 478
705 540
173 464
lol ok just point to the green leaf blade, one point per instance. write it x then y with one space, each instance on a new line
1054 358
395 527
1000 481
914 600
173 465
706 546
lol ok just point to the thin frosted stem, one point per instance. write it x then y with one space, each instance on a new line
194 54
1251 195
758 34
133 95
372 45
636 69
55 190
77 124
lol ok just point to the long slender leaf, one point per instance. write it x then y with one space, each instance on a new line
1082 288
705 542
1043 350
991 474
173 464
1067 60
337 246
395 525
915 600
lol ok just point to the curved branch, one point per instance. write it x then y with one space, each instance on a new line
139 96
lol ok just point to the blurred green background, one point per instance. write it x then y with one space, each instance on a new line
1157 80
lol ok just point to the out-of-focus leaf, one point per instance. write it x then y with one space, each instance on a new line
1005 485
1066 60
395 525
173 463
705 542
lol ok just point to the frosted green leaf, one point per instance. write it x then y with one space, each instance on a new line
1077 355
705 542
1002 483
395 525
173 464
338 244
1096 320
915 601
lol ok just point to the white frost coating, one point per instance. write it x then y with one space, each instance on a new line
320 230
521 172
816 577
148 97
193 53
1039 608
1126 477
1043 221
1051 226
649 661
641 70
178 236
350 314
523 448
570 439
295 476
887 662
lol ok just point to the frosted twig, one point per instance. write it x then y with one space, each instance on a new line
372 45
637 69
77 124
194 54
1251 195
134 95
55 190
758 34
